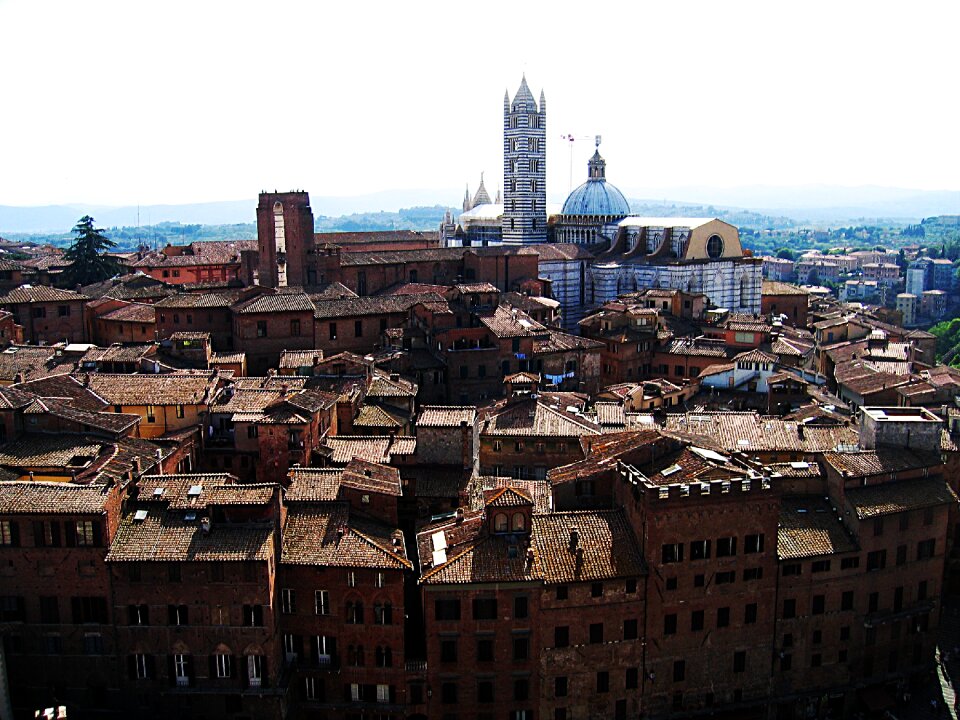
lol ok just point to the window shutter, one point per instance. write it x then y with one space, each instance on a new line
132 667
212 667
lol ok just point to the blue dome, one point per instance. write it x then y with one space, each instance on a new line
596 196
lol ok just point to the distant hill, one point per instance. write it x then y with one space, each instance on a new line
822 205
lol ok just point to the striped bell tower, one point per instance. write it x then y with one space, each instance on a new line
524 168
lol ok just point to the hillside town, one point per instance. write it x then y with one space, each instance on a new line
531 465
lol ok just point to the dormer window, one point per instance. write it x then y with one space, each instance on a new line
501 523
519 522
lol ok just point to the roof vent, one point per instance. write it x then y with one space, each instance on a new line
574 538
140 515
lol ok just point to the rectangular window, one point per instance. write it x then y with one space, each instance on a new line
560 686
789 608
177 615
261 328
696 621
448 651
485 609
819 604
253 616
294 328
679 670
49 610
222 663
726 547
632 680
485 649
672 553
596 632
321 602
448 609
333 331
141 666
351 578
670 624
846 600
520 607
288 601
739 661
753 543
755 573
63 310
901 555
561 636
700 550
926 549
255 670
850 563
310 688
723 617
87 533
630 629
603 681
750 614
922 590
878 527
819 566
521 648
138 614
180 411
9 533
792 569
358 328
876 560
726 577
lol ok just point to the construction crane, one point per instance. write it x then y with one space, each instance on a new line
571 139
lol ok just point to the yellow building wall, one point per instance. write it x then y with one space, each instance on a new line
697 245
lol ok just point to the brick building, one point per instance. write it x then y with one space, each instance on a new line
47 314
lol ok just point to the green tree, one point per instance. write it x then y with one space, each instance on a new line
87 255
785 254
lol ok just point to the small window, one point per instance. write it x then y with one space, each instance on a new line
333 331
261 328
819 566
739 661
596 632
723 617
672 553
670 624
753 543
726 547
561 636
750 614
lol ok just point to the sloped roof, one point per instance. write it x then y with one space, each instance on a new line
326 535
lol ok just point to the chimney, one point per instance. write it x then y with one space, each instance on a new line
18 378
574 538
800 430
340 533
136 466
529 558
205 525
459 515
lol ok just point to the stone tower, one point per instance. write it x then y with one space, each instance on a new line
524 168
284 235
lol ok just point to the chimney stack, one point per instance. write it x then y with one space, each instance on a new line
205 525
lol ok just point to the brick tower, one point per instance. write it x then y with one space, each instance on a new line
285 235
524 168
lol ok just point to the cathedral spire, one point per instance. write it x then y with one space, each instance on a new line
543 102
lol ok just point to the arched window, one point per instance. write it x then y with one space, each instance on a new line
500 523
715 246
383 614
519 522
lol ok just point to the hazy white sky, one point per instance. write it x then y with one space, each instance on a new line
168 102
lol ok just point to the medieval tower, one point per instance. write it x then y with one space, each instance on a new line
524 168
285 233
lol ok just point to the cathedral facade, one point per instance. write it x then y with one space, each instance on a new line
616 252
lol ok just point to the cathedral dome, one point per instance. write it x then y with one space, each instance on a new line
596 196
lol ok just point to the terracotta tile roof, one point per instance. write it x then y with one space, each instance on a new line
795 469
40 293
809 528
717 369
60 451
198 491
603 454
67 387
171 389
270 382
343 448
382 386
393 257
773 287
698 347
279 302
508 496
167 536
313 485
880 461
295 359
134 312
599 532
552 252
370 305
114 423
789 348
522 378
13 397
326 535
28 498
196 300
30 362
756 355
134 286
208 252
131 353
692 464
446 415
371 477
472 555
506 323
537 491
536 418
749 432
873 382
375 416
900 496
610 413
227 358
556 341
117 463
